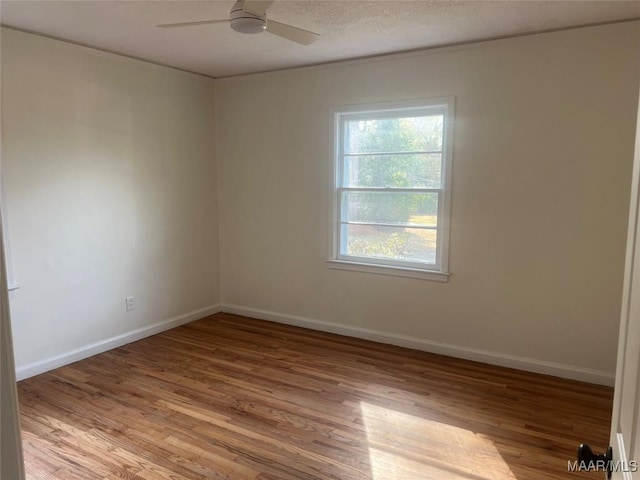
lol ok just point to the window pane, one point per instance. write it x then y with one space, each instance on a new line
392 243
393 171
390 207
406 134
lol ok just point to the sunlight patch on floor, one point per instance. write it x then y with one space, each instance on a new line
403 446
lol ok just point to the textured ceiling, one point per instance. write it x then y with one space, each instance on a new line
349 29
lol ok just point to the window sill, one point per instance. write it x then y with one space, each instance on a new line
389 270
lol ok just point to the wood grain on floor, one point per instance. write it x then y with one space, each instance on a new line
229 397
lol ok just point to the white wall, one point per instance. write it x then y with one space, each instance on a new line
542 160
110 181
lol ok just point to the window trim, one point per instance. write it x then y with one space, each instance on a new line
438 271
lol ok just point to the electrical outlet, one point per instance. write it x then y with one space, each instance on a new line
129 303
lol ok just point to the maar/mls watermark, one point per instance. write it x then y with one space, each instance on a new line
602 466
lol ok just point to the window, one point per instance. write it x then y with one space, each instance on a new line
392 188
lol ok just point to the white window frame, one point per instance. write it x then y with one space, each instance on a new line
340 115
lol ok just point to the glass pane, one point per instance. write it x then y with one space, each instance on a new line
393 171
391 208
405 134
392 243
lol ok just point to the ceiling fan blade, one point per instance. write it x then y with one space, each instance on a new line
191 24
295 34
256 7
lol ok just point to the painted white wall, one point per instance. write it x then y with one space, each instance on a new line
110 181
541 176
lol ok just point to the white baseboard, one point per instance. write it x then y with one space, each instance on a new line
92 349
484 356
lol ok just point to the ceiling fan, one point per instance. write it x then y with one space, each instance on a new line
250 16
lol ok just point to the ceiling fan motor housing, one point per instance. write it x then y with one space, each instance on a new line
245 22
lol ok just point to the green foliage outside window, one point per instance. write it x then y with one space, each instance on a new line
386 168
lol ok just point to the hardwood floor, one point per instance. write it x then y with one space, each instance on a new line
229 397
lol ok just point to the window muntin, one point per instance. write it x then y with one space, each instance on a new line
392 178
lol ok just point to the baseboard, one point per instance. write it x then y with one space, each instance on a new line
494 358
92 349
